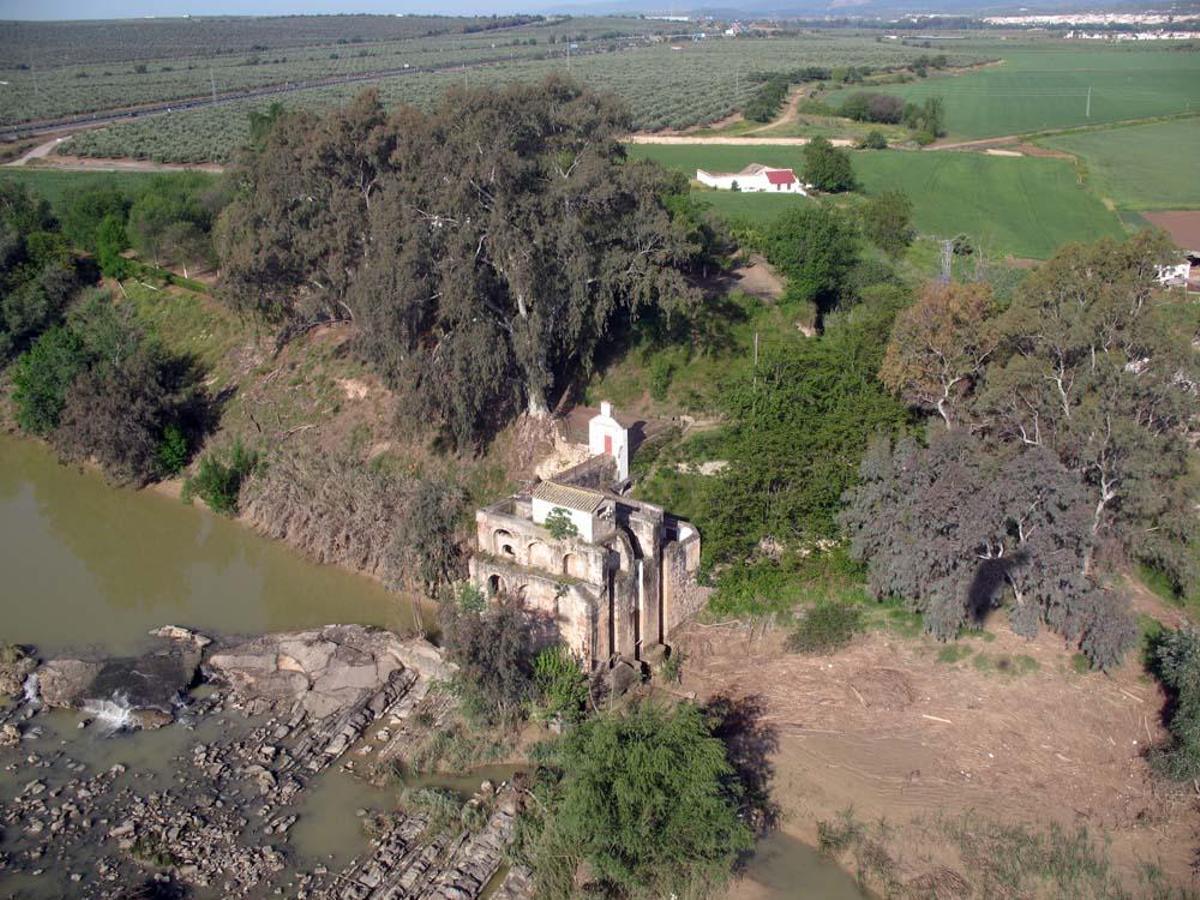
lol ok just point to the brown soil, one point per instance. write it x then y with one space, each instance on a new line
1182 225
884 728
758 279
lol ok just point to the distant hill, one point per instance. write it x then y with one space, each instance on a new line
819 8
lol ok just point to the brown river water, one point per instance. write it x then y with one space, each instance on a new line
88 567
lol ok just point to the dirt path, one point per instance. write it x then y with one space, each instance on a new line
686 139
41 151
43 157
886 728
787 116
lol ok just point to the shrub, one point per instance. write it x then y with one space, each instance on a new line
41 378
219 480
661 372
494 652
646 803
825 628
560 525
560 683
1176 662
672 667
873 140
172 451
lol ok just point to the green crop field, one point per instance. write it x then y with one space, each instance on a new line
55 186
1046 87
1142 167
1021 206
700 83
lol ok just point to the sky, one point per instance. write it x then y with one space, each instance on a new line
128 9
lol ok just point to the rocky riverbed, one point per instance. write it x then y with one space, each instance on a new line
253 725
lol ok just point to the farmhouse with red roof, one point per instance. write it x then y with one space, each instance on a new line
754 178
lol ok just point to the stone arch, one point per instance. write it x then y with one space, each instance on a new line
502 543
575 566
540 556
496 585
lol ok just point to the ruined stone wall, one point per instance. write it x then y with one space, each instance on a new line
523 543
682 596
559 610
596 473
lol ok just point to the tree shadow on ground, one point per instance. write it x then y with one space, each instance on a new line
750 741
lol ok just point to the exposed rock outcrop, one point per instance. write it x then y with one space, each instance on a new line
15 665
325 671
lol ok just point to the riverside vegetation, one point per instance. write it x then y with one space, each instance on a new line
1021 440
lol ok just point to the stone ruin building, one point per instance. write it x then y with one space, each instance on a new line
615 590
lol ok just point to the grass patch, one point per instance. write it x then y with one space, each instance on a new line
1140 167
1046 87
1022 206
56 186
1017 860
698 363
1080 664
953 653
825 628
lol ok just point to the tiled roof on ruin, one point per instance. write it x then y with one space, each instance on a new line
568 496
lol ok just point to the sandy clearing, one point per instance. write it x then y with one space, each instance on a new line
887 729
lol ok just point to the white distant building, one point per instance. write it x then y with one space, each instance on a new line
1174 276
754 178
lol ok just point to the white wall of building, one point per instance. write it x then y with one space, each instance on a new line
752 184
602 426
584 522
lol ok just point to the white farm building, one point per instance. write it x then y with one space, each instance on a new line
754 178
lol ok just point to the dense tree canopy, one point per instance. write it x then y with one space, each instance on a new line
954 527
939 346
1083 387
798 426
887 217
815 247
828 168
647 807
486 250
38 273
100 388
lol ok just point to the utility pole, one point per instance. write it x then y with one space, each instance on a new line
212 79
756 359
568 54
1088 112
33 72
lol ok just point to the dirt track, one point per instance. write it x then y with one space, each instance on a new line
748 140
885 728
43 157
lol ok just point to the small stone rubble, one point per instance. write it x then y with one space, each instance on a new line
277 712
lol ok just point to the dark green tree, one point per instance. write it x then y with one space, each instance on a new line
1176 662
815 247
888 221
955 529
828 168
798 426
85 212
41 377
647 806
486 251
